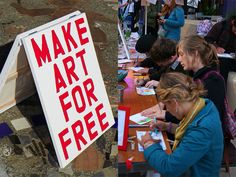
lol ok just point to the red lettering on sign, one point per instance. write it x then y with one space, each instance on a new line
90 125
65 106
78 134
59 81
64 143
75 90
80 55
68 38
58 49
41 54
81 31
101 117
69 65
89 89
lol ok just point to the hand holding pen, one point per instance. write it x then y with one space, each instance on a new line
160 125
154 126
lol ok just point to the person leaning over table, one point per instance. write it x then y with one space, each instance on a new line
163 53
198 145
197 55
144 45
223 36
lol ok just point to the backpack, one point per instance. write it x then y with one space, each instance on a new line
229 119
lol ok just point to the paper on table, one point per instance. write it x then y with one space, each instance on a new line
136 68
145 91
134 35
124 61
139 119
121 56
155 136
224 55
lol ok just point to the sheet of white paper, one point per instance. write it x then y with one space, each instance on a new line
145 91
20 124
134 35
121 56
136 68
155 136
152 1
124 61
121 125
224 55
137 118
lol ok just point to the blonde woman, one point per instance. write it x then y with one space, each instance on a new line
198 145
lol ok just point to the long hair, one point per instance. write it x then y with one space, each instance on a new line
206 51
166 9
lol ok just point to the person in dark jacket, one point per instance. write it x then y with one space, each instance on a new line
163 54
223 36
143 45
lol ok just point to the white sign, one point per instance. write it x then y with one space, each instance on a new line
70 86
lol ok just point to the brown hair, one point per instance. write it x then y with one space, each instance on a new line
166 9
206 51
162 50
175 85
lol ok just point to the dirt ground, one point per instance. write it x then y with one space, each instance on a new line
29 152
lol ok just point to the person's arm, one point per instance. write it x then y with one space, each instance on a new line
179 12
193 146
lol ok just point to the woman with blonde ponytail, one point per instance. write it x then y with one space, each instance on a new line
198 145
199 56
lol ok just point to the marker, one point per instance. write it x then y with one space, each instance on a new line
155 121
137 125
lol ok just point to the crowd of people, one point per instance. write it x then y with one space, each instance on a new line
190 82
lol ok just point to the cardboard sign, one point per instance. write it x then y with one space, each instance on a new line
144 3
70 86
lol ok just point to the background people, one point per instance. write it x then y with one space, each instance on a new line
172 19
223 36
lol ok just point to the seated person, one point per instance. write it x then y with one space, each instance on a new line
143 45
163 53
198 145
223 36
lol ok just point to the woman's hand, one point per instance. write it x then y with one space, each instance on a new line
160 125
161 21
146 140
151 83
220 50
155 111
139 82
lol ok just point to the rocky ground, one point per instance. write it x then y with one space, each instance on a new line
29 152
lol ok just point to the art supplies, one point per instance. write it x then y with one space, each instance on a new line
145 91
139 119
155 136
